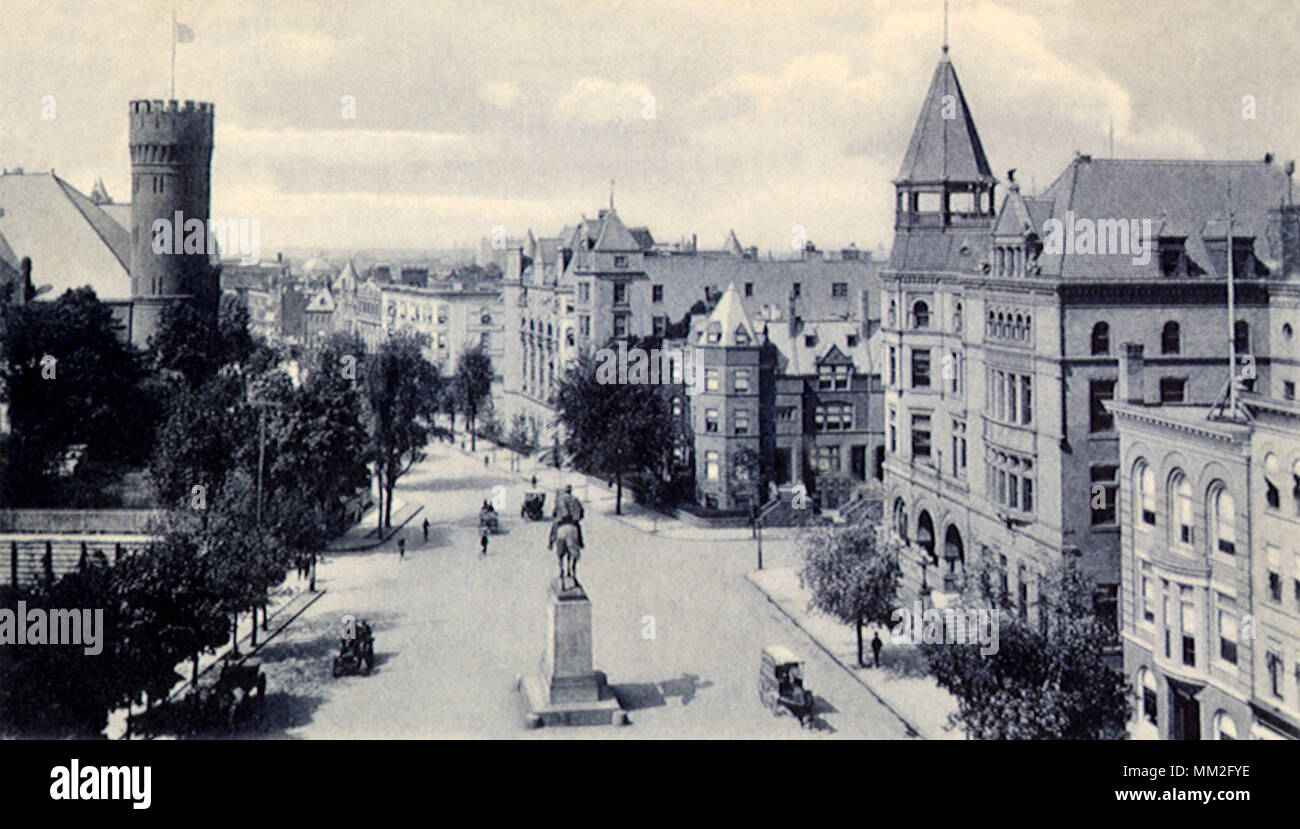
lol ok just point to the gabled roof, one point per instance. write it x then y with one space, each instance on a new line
71 241
944 148
347 279
322 303
834 357
730 322
614 235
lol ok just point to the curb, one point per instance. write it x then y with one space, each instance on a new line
912 731
363 547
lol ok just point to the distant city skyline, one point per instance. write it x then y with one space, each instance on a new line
485 115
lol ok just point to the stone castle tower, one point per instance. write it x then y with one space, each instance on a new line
171 155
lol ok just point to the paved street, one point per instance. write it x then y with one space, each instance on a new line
453 629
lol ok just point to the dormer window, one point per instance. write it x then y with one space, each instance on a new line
714 333
1173 255
742 336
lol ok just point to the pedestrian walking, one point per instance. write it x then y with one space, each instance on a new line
401 547
483 540
534 482
876 645
426 531
485 460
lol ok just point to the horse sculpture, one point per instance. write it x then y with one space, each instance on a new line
564 538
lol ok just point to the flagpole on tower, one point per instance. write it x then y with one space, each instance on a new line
172 97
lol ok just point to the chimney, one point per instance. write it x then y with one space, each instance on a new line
1130 388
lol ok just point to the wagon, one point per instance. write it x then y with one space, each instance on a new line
780 684
356 653
532 506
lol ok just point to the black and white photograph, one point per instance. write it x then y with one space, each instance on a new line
659 370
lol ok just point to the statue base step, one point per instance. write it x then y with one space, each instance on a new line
535 699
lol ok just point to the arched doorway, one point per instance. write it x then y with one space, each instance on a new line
954 553
900 519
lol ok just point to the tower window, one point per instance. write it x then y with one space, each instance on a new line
1169 338
921 314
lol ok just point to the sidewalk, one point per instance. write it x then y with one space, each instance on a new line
593 492
900 683
285 607
361 535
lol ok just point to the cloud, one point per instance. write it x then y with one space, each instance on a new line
502 95
599 101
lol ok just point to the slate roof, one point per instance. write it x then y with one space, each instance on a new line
944 149
72 242
803 349
613 235
730 320
1181 198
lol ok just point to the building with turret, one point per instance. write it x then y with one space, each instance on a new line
171 157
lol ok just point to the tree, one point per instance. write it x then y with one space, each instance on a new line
69 379
613 429
401 389
473 386
853 574
1048 680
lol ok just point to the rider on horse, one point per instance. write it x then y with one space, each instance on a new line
566 529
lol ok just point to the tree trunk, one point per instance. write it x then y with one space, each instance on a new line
861 664
194 669
388 507
234 634
473 420
253 642
379 505
618 494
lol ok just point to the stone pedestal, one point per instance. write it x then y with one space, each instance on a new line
565 690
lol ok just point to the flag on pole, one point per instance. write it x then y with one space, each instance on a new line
184 34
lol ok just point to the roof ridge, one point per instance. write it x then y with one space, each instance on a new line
64 187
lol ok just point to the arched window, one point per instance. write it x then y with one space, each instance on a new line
900 519
920 314
1272 474
925 535
1169 338
1225 522
893 310
1181 489
1241 337
1224 727
1101 338
1144 493
1029 326
993 324
956 317
1020 326
1002 325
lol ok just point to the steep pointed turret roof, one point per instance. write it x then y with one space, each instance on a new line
614 235
732 245
945 145
729 322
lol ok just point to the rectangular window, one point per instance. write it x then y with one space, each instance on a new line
749 289
1172 389
660 324
1148 598
958 448
710 420
1227 630
1273 560
1026 399
921 437
1273 664
796 290
656 293
742 422
1099 392
584 325
920 368
1013 399
828 458
998 396
893 432
742 380
584 293
1105 486
711 466
712 379
839 289
893 366
620 261
620 325
620 293
1188 622
956 370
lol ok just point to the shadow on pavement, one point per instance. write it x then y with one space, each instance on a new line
634 696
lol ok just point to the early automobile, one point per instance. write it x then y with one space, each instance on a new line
532 506
356 653
780 684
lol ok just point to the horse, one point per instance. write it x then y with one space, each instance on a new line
564 537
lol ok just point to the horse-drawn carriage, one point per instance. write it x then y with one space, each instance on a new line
233 702
532 506
356 653
780 684
488 519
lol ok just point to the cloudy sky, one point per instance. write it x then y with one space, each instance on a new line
475 114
